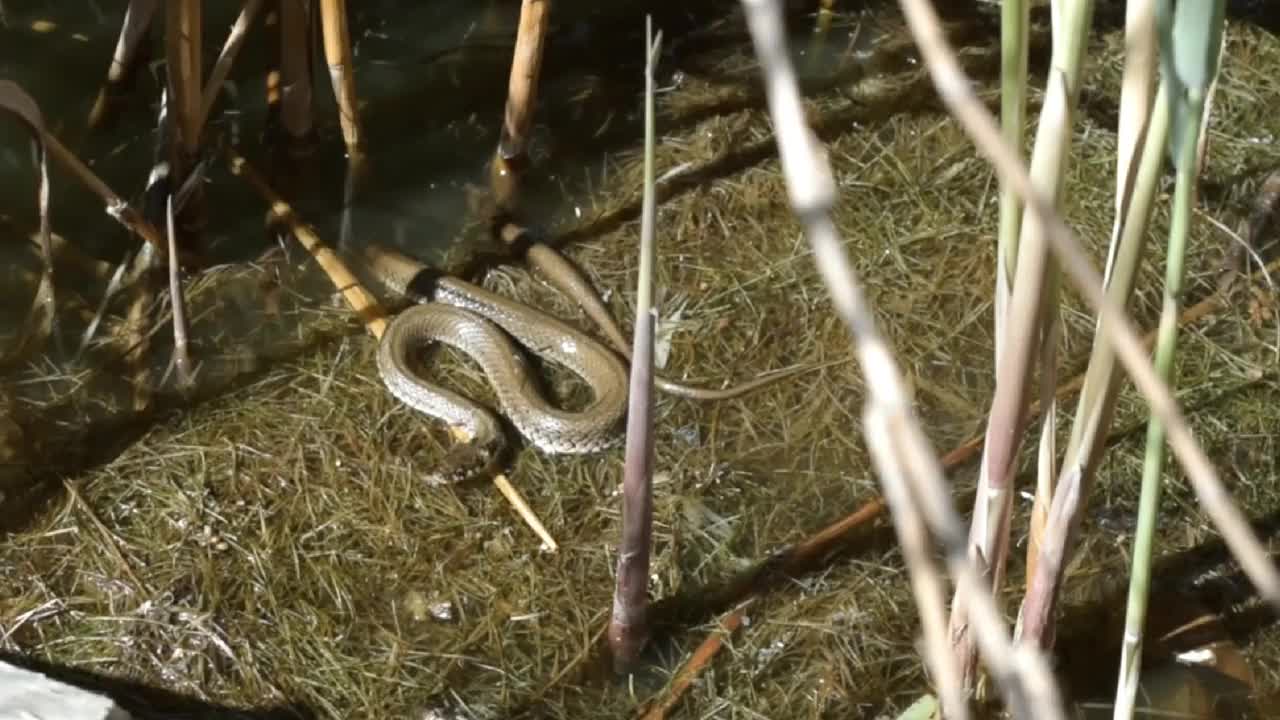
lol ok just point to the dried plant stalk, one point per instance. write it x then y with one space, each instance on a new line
181 353
221 68
137 21
337 51
522 90
295 68
362 302
41 318
183 37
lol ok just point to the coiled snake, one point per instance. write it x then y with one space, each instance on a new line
468 317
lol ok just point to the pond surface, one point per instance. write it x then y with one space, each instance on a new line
270 543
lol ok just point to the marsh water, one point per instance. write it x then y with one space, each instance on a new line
268 544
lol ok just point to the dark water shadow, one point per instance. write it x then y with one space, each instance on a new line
62 447
1206 575
148 702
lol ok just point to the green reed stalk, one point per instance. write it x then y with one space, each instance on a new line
1191 44
1014 30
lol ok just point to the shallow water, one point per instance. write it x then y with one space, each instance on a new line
285 520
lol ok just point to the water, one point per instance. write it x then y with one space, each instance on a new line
432 77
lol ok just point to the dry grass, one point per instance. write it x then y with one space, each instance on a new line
274 545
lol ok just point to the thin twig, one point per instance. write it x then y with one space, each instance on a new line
701 656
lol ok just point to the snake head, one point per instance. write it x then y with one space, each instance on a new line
467 461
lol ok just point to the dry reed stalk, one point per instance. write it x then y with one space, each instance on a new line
137 21
117 208
522 90
41 318
337 51
183 49
294 77
183 37
231 48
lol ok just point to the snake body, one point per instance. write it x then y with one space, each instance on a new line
473 320
468 317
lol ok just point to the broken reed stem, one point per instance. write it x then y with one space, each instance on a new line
956 92
183 49
337 51
137 21
230 49
294 78
525 512
522 90
42 321
117 208
41 318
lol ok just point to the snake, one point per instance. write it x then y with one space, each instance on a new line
482 324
